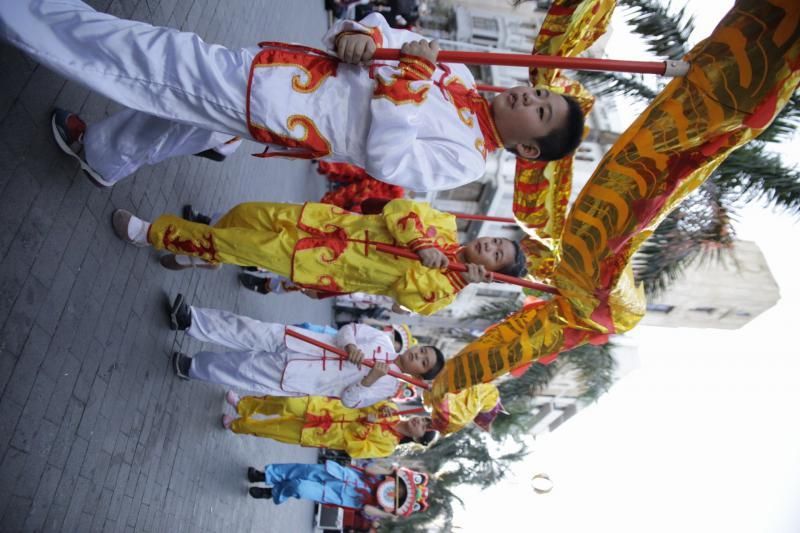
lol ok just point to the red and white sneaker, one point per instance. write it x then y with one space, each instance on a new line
68 130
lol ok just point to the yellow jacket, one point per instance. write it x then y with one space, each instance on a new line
337 255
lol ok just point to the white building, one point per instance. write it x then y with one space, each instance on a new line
559 401
724 294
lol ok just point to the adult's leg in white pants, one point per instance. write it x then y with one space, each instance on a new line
160 71
254 371
235 331
119 145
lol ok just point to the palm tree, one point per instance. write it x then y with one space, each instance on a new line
463 458
467 458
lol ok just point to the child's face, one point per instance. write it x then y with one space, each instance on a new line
494 253
417 360
523 114
418 425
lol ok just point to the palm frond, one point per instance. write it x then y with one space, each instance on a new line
596 367
614 83
496 311
665 31
753 173
699 229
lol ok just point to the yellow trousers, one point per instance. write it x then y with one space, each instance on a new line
251 234
287 427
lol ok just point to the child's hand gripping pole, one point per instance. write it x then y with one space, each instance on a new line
458 267
664 68
399 375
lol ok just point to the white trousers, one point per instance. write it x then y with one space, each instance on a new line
259 357
235 331
161 72
119 145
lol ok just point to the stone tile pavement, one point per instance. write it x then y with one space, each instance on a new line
96 434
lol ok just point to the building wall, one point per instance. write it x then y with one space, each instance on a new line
723 295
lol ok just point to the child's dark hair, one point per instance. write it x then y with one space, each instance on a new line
563 141
519 267
437 366
428 437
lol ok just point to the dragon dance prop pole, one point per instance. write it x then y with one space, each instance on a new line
485 218
413 411
663 68
342 353
458 267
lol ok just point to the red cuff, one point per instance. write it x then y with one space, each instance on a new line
455 280
421 244
416 67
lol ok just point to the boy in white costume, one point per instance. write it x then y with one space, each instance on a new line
411 123
267 361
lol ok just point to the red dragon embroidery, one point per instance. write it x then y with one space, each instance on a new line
174 243
334 240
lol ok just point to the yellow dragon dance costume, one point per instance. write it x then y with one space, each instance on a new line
324 247
320 422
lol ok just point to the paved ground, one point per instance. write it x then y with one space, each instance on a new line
95 431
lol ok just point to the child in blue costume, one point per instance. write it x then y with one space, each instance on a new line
375 490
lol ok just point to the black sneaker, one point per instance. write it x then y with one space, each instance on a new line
211 154
255 476
254 283
181 364
68 130
180 316
193 216
260 492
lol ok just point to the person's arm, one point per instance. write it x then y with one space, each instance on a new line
373 26
426 290
346 335
377 469
418 225
358 334
374 446
364 392
371 510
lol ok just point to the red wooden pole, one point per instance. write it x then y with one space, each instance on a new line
489 88
487 218
458 267
534 60
413 411
342 353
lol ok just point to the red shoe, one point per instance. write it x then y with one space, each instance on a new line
68 130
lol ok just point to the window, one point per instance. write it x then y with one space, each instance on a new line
706 310
660 308
485 23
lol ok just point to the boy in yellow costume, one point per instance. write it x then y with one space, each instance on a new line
323 247
320 422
